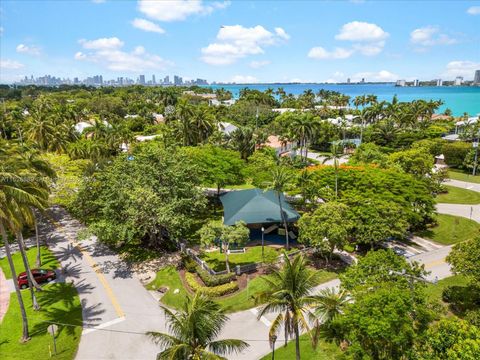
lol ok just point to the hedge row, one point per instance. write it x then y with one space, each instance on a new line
215 291
214 280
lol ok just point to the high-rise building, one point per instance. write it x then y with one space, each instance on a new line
416 82
153 80
400 83
166 80
476 79
141 79
177 80
363 81
348 81
458 81
439 82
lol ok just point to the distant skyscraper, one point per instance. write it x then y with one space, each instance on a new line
141 79
476 79
166 80
177 80
153 80
458 81
416 82
439 82
400 83
348 81
363 81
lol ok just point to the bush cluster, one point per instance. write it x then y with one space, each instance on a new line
214 291
188 263
214 280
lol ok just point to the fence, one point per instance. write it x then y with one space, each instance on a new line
239 269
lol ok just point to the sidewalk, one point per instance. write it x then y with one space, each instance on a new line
4 295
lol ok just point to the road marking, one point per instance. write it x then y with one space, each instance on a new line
88 330
94 266
434 263
263 319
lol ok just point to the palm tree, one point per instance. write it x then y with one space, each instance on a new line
330 303
280 179
243 139
289 295
193 331
303 126
184 111
335 156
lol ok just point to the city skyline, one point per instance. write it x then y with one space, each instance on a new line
227 41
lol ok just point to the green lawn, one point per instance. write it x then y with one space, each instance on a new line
48 261
458 195
169 276
241 300
60 304
240 187
462 176
434 291
216 259
451 230
324 351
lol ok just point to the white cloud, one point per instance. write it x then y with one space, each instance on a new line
280 32
177 10
321 54
367 39
244 79
463 68
80 56
237 42
383 76
26 49
148 26
361 31
258 64
473 10
430 36
370 49
102 43
108 52
10 64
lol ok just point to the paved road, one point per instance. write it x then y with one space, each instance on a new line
321 158
118 310
113 299
463 184
468 211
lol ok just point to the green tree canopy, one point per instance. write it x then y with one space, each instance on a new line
465 259
217 166
326 228
152 195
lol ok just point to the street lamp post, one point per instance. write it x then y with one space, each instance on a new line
273 338
263 257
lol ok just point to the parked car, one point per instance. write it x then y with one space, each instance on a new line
40 275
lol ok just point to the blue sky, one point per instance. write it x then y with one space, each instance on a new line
242 41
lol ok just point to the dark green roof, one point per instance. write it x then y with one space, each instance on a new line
255 206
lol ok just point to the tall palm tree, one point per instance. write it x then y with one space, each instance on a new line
243 139
184 111
280 179
289 295
303 126
335 156
193 331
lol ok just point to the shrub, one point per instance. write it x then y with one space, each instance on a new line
455 153
214 280
215 291
188 263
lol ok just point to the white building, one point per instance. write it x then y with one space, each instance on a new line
400 83
458 81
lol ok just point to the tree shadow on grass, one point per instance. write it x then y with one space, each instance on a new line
460 299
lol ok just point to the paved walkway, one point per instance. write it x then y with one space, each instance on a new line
463 184
467 211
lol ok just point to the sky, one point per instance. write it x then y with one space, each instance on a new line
241 41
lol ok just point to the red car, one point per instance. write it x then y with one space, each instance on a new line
40 275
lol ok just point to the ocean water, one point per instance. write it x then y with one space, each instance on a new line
459 99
